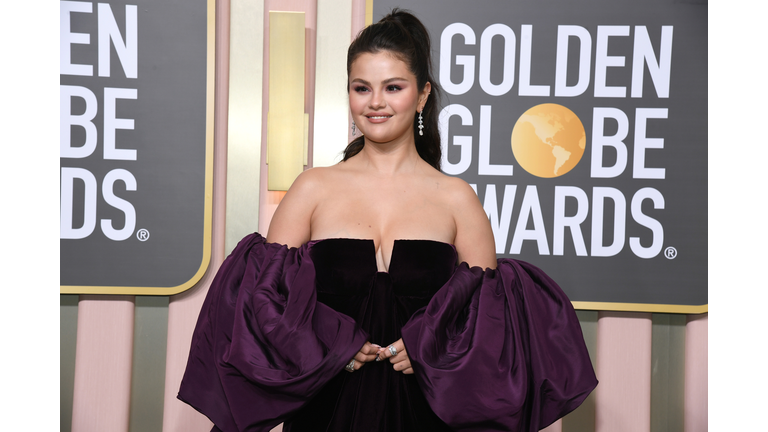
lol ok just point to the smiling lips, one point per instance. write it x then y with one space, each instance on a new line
378 117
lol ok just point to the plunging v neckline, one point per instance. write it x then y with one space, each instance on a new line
395 242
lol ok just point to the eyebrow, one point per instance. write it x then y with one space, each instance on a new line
386 81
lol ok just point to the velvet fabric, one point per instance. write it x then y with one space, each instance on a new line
493 350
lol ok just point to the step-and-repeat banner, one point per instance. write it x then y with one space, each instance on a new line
136 145
582 126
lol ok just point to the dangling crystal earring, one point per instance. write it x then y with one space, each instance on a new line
354 129
421 123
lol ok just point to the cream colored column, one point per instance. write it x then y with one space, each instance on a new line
331 100
696 369
184 308
554 427
104 352
246 74
623 396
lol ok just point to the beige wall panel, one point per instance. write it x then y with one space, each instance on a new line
358 17
696 377
331 100
102 388
554 427
623 396
246 73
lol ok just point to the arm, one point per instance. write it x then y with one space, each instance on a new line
474 238
291 223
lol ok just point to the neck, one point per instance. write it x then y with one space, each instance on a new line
392 157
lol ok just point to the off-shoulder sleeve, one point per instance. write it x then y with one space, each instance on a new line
500 350
263 345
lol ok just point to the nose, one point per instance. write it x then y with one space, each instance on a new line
377 100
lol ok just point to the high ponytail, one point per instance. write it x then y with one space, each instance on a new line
403 35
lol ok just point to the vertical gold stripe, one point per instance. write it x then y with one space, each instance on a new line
368 12
246 74
285 132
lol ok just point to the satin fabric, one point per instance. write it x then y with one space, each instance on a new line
491 350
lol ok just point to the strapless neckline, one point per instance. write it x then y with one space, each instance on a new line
395 246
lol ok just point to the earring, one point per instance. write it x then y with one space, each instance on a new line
421 123
354 129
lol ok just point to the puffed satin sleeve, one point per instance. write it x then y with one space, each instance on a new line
500 350
263 345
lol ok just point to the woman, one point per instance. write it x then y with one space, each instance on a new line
353 315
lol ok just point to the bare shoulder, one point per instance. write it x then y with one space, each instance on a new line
474 237
459 192
290 224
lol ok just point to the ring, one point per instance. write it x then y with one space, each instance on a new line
350 367
392 350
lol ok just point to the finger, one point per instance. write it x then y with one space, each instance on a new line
367 353
354 365
402 365
401 356
408 371
370 349
385 353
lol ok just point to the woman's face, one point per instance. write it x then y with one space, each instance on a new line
384 97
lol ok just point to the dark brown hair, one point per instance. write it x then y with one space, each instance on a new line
403 35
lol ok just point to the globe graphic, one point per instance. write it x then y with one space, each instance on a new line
548 140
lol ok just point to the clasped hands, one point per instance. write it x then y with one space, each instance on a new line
372 352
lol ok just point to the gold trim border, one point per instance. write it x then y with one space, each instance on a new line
207 218
641 307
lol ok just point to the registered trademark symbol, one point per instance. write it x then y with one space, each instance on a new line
142 235
670 252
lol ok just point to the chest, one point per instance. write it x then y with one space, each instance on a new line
384 213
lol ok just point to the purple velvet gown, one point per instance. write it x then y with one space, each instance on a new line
494 350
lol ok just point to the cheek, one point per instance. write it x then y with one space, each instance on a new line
355 103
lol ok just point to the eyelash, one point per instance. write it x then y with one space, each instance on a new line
390 88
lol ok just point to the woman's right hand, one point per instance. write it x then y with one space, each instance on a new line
366 354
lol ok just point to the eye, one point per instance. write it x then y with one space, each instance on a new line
393 88
360 89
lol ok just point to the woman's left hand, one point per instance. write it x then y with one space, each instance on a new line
401 362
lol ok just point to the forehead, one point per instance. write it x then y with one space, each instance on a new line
381 65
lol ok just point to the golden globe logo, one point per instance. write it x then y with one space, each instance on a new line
548 140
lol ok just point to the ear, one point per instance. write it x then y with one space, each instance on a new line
424 95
